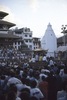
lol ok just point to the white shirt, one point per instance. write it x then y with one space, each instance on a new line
21 86
51 62
36 92
44 58
14 80
17 98
61 95
33 60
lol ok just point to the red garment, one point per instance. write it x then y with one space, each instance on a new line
43 86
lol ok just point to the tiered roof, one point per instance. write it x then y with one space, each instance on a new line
3 14
9 36
9 24
3 22
4 26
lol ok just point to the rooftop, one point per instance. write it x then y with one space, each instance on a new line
8 36
9 24
61 39
3 14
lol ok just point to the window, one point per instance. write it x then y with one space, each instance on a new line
30 35
26 40
6 39
30 40
15 43
1 27
18 43
26 30
36 43
25 35
30 46
36 47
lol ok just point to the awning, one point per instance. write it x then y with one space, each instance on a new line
62 48
39 50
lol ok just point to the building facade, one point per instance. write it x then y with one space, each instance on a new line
60 41
26 35
36 43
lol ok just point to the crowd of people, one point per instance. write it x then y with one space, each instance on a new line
20 81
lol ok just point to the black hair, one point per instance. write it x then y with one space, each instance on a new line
33 98
11 95
24 95
33 83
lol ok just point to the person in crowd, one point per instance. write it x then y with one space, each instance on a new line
11 95
25 94
33 59
35 91
12 89
51 62
62 94
58 80
52 90
33 98
44 58
64 76
2 96
37 57
17 71
40 57
43 86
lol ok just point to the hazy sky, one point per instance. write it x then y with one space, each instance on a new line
36 14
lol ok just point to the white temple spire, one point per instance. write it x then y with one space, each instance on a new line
49 41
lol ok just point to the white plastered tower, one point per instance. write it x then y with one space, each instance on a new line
49 41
